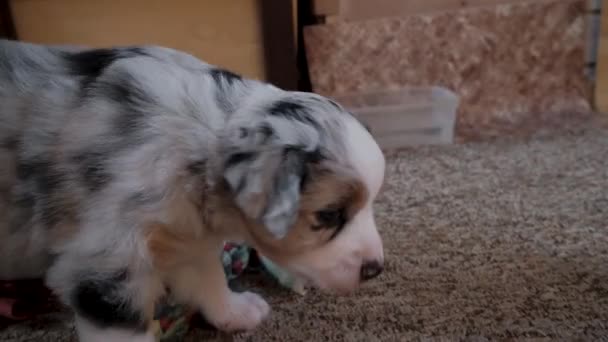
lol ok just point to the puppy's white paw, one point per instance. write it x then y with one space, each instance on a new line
244 311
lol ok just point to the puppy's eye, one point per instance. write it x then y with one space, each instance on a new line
330 218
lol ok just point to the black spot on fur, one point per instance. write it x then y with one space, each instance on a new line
335 105
315 156
299 159
122 88
91 63
102 302
197 167
93 172
292 110
127 91
42 171
131 99
243 132
47 183
24 199
238 158
221 75
28 168
267 132
129 123
50 215
234 160
292 169
224 79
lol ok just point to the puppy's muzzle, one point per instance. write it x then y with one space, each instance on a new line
370 270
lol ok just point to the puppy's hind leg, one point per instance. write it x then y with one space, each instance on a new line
110 305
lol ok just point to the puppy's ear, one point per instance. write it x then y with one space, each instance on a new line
266 185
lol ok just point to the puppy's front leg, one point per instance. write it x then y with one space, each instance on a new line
205 285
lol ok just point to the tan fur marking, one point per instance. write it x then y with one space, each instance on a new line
165 247
331 186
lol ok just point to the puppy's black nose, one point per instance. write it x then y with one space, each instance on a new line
370 270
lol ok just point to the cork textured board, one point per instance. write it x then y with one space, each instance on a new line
516 66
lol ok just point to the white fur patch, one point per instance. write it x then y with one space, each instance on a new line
337 265
366 156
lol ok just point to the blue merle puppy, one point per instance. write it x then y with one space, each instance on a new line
123 171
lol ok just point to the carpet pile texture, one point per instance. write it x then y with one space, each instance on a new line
505 240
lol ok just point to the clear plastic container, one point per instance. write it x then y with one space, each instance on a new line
407 116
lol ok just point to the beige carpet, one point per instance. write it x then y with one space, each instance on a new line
497 241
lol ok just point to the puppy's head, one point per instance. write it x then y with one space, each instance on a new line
305 176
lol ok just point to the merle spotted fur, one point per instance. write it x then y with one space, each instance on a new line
94 136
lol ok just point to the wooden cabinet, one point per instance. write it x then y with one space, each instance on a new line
234 34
